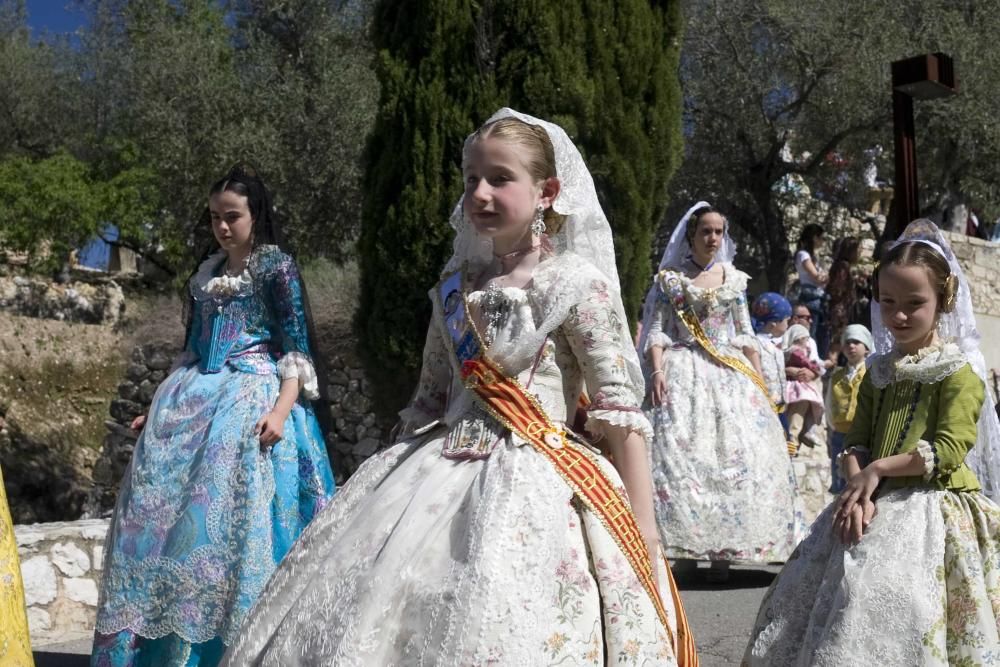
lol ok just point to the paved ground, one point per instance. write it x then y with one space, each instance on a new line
721 617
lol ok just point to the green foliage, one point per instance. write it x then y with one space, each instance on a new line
55 204
760 74
605 71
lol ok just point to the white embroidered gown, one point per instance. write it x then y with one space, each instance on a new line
462 545
723 484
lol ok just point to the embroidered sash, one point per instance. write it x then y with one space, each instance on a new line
674 295
506 400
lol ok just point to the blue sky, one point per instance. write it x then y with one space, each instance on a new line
53 15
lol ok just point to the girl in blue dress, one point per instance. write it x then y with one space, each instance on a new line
231 465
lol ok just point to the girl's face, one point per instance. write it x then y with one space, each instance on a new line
909 305
500 194
708 235
231 221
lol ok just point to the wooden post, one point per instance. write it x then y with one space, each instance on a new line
923 77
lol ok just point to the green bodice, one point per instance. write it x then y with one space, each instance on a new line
938 418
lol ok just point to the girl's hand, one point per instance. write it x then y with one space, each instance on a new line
855 508
138 423
851 525
659 389
270 428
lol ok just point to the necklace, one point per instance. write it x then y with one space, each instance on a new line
698 266
517 253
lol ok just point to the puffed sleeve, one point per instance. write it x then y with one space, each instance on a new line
431 396
743 327
960 400
657 335
288 306
598 336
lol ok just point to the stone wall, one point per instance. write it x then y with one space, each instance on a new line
95 301
980 261
61 564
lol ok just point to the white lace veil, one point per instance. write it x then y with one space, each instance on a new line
562 281
959 326
676 252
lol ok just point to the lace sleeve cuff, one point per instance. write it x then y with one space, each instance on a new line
298 365
745 340
629 418
657 339
930 457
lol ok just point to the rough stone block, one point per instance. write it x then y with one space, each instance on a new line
366 447
128 390
70 559
81 590
125 411
40 585
39 621
136 372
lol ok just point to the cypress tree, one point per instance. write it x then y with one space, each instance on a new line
606 70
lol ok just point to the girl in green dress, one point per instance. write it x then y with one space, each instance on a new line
903 568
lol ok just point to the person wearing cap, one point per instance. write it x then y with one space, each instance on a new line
770 314
842 393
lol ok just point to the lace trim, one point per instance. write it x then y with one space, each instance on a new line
930 457
298 365
930 365
206 285
657 338
625 418
733 286
864 454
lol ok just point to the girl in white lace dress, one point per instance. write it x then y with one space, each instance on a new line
462 544
723 485
904 567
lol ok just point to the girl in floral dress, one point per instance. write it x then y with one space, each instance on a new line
232 463
904 567
468 543
723 484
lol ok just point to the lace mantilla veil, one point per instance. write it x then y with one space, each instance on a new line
562 281
958 326
674 255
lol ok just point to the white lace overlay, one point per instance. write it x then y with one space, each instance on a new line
427 560
921 588
464 563
299 365
723 484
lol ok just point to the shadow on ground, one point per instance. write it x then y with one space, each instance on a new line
47 659
738 578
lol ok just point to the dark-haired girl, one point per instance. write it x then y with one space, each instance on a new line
904 567
724 486
231 465
812 282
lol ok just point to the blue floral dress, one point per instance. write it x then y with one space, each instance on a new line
205 514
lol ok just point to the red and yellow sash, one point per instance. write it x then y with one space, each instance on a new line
674 295
507 401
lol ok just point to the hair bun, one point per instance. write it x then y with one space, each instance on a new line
243 169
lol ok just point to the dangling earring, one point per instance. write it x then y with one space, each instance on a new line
538 222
